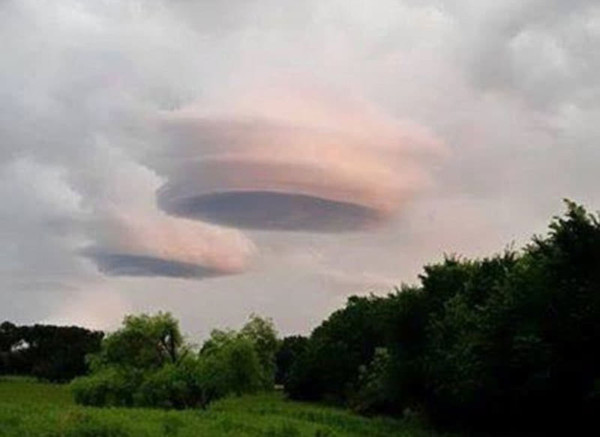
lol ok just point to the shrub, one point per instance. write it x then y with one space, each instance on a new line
110 386
145 363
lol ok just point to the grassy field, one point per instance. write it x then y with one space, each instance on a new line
29 408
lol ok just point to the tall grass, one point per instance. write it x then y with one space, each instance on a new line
29 408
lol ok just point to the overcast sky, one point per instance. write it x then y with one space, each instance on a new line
217 158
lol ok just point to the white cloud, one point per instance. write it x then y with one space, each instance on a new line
510 87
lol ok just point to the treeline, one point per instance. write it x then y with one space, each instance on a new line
509 342
54 353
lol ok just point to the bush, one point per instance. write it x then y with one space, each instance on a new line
146 364
110 386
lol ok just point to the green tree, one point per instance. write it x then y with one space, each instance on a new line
55 353
506 342
513 344
233 363
143 342
329 366
261 332
146 363
289 351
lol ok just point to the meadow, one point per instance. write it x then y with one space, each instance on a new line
29 408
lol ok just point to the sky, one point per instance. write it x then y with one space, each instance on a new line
217 159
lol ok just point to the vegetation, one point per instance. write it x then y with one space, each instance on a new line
147 363
54 353
502 343
290 349
33 409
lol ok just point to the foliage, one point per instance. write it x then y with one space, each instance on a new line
514 345
113 386
29 408
288 352
232 363
55 353
144 342
505 342
373 385
146 363
261 332
328 369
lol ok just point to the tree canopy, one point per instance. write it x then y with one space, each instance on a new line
55 353
507 341
147 363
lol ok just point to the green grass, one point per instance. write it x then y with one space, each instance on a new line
29 408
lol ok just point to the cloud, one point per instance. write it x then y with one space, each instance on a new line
121 264
540 52
149 243
272 210
285 159
127 126
72 135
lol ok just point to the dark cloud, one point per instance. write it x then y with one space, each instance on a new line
150 243
122 264
272 211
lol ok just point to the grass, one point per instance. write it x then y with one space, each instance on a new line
29 408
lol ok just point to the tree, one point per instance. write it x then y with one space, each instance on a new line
233 362
504 343
513 345
289 351
9 337
143 342
373 394
261 332
55 353
146 363
329 366
133 361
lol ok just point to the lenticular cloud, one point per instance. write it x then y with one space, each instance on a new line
163 246
290 162
130 237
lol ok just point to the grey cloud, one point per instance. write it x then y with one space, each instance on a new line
123 264
272 210
77 86
97 148
541 52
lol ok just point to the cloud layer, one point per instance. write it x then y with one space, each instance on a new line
148 142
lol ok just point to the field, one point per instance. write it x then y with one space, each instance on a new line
29 408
